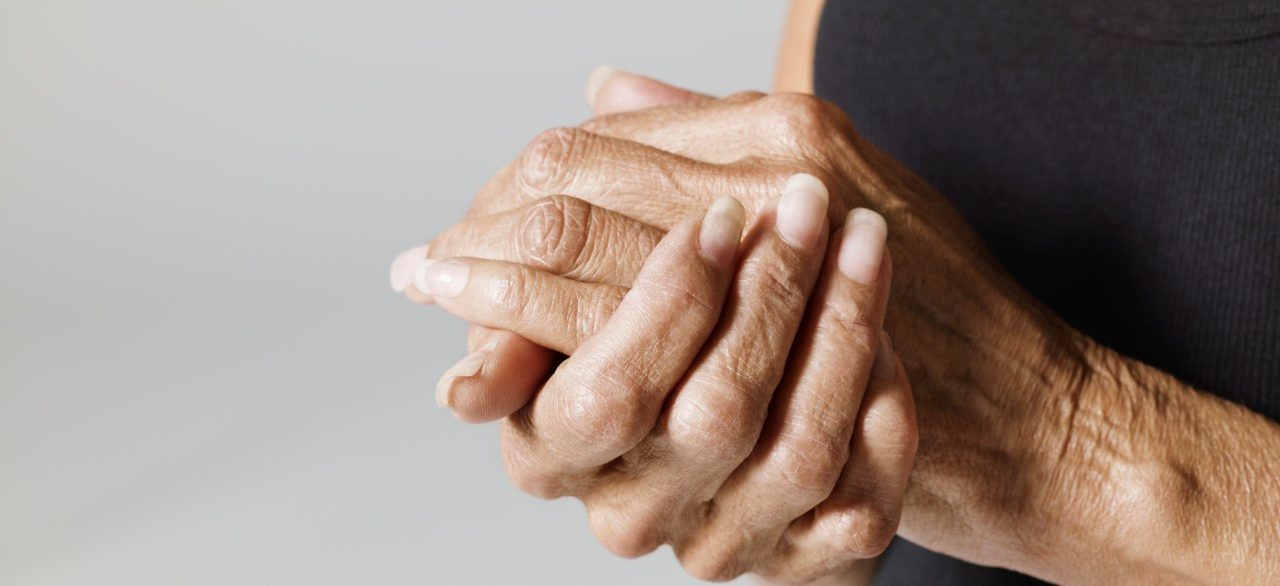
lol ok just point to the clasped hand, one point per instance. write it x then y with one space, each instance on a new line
720 296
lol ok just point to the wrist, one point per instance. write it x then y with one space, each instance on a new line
1065 456
1116 485
1025 378
1073 449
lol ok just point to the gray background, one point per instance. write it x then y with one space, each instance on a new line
204 378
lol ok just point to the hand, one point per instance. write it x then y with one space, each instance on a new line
671 430
996 376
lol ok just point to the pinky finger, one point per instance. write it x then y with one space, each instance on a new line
861 516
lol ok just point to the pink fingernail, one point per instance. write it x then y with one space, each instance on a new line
862 249
722 230
446 278
404 265
802 210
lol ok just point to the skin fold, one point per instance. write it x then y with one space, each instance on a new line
746 409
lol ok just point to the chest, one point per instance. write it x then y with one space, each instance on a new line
1122 159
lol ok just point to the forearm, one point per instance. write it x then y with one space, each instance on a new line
1179 483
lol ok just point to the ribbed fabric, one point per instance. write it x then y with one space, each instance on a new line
1120 158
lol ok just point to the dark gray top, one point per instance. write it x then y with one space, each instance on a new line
1120 157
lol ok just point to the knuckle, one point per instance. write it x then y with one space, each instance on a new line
526 477
743 97
683 298
625 532
778 283
716 427
742 368
800 112
809 464
553 233
589 420
545 167
773 292
507 294
709 567
854 324
612 419
865 531
590 314
891 425
803 118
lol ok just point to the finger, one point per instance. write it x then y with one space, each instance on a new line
715 415
651 185
497 378
548 310
606 397
739 127
861 516
716 131
559 234
648 168
805 442
611 90
403 266
402 269
528 172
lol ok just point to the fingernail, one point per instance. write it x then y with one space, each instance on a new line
801 210
404 265
446 278
465 368
886 365
863 246
596 80
721 230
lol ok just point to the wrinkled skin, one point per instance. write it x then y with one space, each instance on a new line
672 419
996 378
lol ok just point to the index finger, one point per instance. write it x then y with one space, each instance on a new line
563 235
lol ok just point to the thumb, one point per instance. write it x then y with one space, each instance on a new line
501 374
610 91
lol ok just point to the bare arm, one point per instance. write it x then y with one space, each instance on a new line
1183 484
795 56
